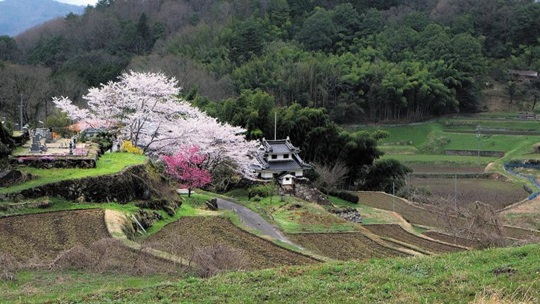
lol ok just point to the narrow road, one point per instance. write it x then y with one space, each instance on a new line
253 220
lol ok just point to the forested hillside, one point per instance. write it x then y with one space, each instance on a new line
316 63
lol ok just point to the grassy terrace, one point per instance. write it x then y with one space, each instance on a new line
508 275
107 164
427 142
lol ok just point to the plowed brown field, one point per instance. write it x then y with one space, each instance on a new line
396 232
45 235
191 233
344 246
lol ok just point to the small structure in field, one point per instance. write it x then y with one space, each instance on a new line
280 158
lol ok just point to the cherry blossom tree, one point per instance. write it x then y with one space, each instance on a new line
187 166
145 109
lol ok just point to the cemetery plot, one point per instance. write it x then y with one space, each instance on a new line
195 234
396 232
344 246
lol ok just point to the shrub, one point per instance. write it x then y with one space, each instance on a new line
127 146
344 195
261 191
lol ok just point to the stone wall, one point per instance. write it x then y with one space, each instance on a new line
475 153
133 183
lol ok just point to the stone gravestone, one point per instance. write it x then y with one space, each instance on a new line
36 143
45 133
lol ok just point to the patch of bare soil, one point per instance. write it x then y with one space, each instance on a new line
417 168
43 236
396 232
344 246
191 236
452 239
495 193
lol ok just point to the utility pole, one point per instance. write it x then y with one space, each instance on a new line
478 134
21 114
275 125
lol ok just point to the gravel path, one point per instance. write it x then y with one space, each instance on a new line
252 219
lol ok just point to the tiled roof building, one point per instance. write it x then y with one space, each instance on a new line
280 157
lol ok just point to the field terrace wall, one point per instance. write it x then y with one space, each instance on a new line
130 184
48 162
475 153
418 215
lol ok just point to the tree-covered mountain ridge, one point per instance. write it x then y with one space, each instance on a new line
361 61
16 16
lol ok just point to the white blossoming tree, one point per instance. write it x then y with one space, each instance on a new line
145 109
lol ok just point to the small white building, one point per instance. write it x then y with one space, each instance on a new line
279 158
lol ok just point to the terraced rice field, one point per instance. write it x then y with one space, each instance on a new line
344 246
498 194
397 233
190 234
43 236
74 239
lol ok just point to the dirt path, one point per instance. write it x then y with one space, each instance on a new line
253 220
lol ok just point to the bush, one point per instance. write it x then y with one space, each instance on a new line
127 146
261 191
344 195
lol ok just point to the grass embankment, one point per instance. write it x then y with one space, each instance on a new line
108 163
510 275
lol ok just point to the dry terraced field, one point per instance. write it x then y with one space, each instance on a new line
450 239
397 233
189 234
344 246
45 235
497 194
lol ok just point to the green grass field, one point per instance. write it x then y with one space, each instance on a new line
508 275
107 164
426 143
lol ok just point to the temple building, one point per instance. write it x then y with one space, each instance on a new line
280 159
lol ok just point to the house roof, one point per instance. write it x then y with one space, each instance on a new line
279 146
284 165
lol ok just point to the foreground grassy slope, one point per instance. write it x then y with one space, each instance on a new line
510 273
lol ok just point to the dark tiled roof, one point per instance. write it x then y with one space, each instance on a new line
285 165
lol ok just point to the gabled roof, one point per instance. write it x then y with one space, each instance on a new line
282 146
279 146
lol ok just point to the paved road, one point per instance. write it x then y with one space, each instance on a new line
252 219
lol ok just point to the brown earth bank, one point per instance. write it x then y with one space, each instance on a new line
344 246
191 235
397 233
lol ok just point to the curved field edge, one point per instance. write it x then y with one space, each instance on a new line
108 163
189 234
451 278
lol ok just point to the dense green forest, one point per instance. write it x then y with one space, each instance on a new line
314 63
